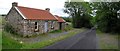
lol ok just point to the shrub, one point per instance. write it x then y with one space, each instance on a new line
9 28
68 27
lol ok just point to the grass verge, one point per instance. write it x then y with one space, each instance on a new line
56 31
50 41
107 40
0 40
10 43
0 19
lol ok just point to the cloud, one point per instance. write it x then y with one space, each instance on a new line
58 11
39 4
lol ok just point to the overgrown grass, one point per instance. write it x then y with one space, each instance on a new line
50 41
1 32
107 40
56 31
2 20
0 40
9 43
68 27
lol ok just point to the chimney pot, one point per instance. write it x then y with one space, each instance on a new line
14 4
48 9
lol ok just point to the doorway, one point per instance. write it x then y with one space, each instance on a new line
46 27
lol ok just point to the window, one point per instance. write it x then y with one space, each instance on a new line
36 26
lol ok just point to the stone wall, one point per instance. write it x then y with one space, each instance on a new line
15 20
29 27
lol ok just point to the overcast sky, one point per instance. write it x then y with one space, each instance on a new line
56 6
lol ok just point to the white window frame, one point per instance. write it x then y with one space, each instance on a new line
36 29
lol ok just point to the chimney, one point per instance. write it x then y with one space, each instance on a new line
48 9
14 4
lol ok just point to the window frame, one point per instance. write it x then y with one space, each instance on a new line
36 26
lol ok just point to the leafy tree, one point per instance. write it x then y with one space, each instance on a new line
107 16
79 11
67 19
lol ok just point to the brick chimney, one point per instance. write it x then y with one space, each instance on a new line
14 4
48 9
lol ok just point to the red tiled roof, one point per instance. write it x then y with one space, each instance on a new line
32 13
59 19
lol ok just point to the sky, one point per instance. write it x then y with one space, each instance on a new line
56 6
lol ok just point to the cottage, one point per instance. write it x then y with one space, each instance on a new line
29 21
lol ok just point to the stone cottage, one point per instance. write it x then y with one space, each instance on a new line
29 21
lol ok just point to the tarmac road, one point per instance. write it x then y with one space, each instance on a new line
84 40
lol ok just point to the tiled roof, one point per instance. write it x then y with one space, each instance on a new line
37 14
60 19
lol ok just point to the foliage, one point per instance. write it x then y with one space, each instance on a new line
56 31
9 28
0 40
93 21
2 20
50 41
9 43
68 27
67 19
107 16
79 11
111 43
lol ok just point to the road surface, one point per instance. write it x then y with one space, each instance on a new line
84 40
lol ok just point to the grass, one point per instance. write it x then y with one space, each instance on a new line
56 31
0 33
44 34
68 27
0 40
7 41
107 40
10 43
2 20
49 42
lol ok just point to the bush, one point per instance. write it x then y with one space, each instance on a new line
68 27
9 28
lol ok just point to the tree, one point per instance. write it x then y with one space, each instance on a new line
67 19
107 16
79 11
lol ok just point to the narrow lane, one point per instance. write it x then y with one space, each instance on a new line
87 42
84 40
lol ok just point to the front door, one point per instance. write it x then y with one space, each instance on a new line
60 26
45 27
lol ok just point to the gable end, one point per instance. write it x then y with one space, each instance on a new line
20 13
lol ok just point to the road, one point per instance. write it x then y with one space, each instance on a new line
84 40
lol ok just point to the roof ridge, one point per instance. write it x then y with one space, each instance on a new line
36 13
31 8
